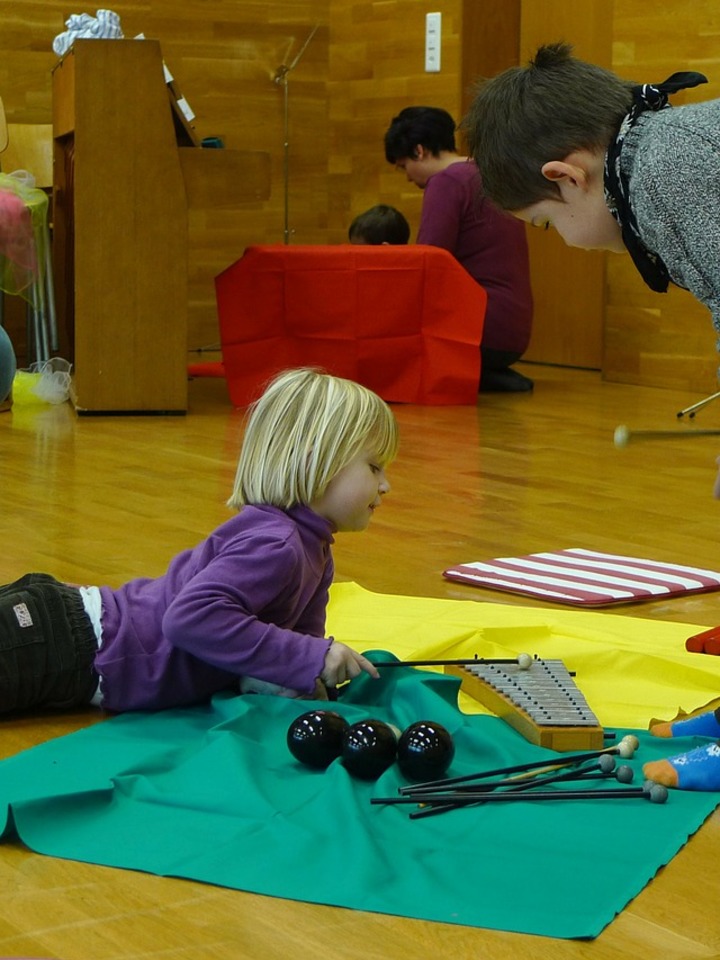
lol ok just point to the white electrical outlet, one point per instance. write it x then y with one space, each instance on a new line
433 40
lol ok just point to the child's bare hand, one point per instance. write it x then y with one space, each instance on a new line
319 694
342 663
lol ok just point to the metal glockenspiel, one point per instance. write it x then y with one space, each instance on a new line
541 701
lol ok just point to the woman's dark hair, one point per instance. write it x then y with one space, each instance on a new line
429 127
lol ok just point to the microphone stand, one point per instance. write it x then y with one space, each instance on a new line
281 79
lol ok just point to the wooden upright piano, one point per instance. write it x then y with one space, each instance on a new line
127 168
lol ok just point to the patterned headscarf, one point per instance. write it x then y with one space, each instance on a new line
648 96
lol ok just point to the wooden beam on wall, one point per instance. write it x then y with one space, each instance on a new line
490 41
568 284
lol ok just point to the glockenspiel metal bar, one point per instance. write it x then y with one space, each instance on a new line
542 702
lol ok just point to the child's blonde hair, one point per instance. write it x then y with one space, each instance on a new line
302 431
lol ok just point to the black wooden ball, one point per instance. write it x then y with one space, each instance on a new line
315 738
369 748
425 751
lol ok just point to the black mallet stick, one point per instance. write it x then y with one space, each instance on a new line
625 749
604 769
523 660
656 794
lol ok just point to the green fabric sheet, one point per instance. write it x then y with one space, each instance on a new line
213 794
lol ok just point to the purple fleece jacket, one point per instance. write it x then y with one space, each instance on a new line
250 600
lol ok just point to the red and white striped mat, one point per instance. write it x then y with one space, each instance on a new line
585 577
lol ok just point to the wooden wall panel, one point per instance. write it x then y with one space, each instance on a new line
568 285
655 339
377 61
490 41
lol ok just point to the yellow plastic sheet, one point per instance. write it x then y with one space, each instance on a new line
631 670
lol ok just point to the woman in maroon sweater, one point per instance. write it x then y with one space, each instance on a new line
490 245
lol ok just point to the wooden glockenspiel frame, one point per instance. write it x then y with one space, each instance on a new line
541 701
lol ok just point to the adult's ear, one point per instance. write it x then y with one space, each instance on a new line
563 173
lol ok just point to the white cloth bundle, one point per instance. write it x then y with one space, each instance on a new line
105 25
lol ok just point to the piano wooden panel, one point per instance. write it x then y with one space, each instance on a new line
120 228
122 191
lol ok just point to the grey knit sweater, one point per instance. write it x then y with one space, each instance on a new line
672 161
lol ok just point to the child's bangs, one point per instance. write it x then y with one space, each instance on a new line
384 436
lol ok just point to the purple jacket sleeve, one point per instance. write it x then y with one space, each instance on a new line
255 612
